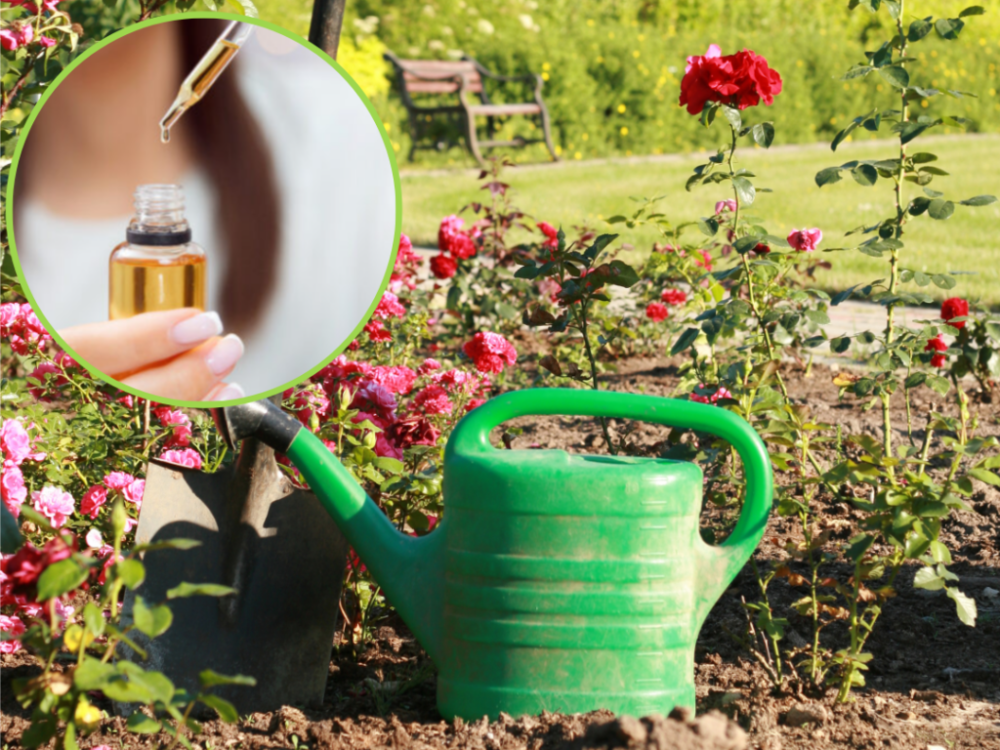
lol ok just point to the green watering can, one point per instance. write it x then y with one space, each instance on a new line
555 581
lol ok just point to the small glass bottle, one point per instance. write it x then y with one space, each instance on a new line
158 267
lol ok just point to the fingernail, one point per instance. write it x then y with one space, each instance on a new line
231 391
224 355
199 328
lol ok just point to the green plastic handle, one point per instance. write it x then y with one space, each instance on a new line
717 565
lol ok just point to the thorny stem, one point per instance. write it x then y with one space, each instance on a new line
900 220
746 268
582 318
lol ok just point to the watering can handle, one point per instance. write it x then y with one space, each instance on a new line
718 565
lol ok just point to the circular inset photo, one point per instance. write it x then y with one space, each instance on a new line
204 209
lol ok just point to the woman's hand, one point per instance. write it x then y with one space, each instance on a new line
173 354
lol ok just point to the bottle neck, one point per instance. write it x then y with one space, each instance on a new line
159 216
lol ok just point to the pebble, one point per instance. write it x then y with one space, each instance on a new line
990 593
805 713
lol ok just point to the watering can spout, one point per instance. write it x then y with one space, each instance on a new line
409 570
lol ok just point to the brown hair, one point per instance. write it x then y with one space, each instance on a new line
230 146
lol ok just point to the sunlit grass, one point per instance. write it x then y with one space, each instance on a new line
587 193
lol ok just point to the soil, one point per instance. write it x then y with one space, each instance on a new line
933 682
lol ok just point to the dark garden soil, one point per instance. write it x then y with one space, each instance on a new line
933 681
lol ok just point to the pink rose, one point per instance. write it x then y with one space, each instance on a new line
94 539
389 306
428 365
433 400
805 240
133 493
186 457
53 503
11 626
726 205
15 445
118 480
13 489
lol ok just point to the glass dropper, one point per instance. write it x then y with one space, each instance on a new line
205 73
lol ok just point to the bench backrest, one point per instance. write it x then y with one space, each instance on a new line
416 72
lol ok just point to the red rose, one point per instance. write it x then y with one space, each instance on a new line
657 312
414 430
761 249
954 307
443 266
673 297
739 80
490 352
937 344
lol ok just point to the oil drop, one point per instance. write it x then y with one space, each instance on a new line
158 267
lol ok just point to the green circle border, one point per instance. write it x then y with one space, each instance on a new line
111 38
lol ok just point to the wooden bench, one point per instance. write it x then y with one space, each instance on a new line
422 85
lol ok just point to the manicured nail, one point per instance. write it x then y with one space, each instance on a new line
224 355
231 391
199 328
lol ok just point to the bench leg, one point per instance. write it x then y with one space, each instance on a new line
473 140
547 130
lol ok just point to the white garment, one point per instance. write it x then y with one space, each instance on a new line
338 216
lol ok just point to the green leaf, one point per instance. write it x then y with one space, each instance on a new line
60 578
131 572
745 190
746 244
972 10
940 209
709 227
139 723
152 621
979 200
156 684
895 75
733 116
763 134
167 544
910 130
856 71
965 606
199 589
944 281
92 674
244 7
208 678
93 619
928 579
42 729
949 28
622 274
865 174
915 379
840 344
828 176
859 545
685 340
985 475
919 29
227 712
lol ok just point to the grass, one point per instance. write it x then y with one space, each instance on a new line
586 193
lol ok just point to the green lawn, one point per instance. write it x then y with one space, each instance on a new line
574 193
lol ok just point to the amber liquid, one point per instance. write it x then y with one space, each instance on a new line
198 82
141 285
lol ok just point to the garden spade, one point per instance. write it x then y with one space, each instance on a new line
276 546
